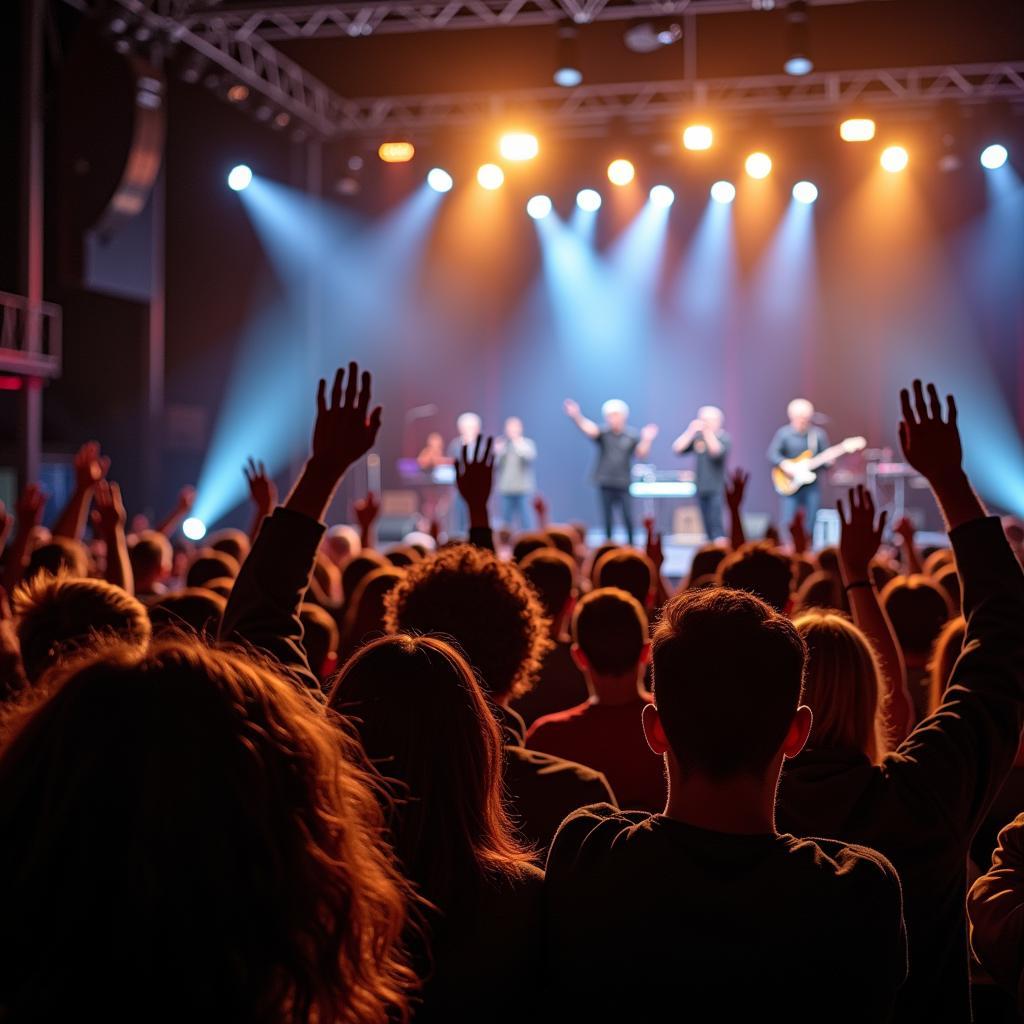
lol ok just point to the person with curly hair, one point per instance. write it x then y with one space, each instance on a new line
187 836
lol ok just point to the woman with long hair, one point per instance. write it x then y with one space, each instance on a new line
185 837
424 722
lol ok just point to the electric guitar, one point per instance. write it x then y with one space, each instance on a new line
801 469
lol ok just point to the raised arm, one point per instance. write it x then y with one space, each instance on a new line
589 427
108 522
735 488
859 541
263 609
29 515
182 506
474 477
90 468
647 436
263 492
684 442
366 512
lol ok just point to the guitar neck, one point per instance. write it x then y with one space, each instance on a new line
826 456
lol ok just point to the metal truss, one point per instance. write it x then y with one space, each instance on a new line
645 102
356 17
16 353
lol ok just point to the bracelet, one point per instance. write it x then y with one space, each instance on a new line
858 583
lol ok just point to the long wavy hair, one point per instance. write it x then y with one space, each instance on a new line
423 721
186 837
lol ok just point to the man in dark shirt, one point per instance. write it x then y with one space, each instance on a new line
706 912
617 445
796 437
710 443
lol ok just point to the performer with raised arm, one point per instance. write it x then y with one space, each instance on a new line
513 466
617 444
710 443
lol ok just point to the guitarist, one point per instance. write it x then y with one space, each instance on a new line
798 436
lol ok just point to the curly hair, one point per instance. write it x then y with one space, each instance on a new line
188 836
485 606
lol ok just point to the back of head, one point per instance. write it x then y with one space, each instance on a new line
319 638
948 579
132 764
728 676
598 553
210 565
706 560
946 650
628 570
342 543
151 556
918 609
610 627
221 586
553 575
803 567
60 615
828 560
422 718
59 556
359 566
194 609
563 538
841 684
820 590
938 560
527 543
761 570
403 555
364 616
488 608
231 542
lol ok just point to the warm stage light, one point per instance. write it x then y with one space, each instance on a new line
758 165
697 136
490 177
239 178
723 191
538 207
439 180
238 93
993 157
662 197
588 200
857 129
396 152
805 192
893 159
621 172
193 528
518 146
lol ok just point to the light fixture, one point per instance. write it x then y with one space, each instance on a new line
621 172
894 159
396 152
568 73
588 200
439 180
239 177
799 61
662 197
538 207
805 192
518 146
758 165
698 136
648 36
490 177
993 157
194 528
238 93
857 129
723 191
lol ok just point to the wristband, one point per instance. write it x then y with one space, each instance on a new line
858 583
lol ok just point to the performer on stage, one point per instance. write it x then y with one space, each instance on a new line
432 454
798 436
710 443
513 466
617 444
468 425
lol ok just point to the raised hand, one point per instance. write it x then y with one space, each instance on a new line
654 549
649 432
6 522
798 531
366 510
735 488
572 409
186 500
860 536
108 514
474 472
930 443
29 508
345 428
90 466
540 508
262 488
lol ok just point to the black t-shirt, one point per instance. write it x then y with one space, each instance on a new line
615 457
788 443
648 918
710 468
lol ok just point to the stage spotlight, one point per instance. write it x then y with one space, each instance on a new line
193 528
857 129
490 177
647 37
439 180
588 200
621 172
396 152
662 197
805 192
238 93
697 136
518 146
894 159
239 178
799 61
567 64
758 165
538 207
993 157
723 191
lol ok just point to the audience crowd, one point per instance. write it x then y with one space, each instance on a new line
295 776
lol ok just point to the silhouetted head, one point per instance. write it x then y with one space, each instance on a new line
341 543
628 570
946 650
918 609
320 639
231 542
359 566
706 560
760 569
527 543
553 575
609 633
194 609
152 558
563 538
58 556
210 565
403 555
364 614
820 590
